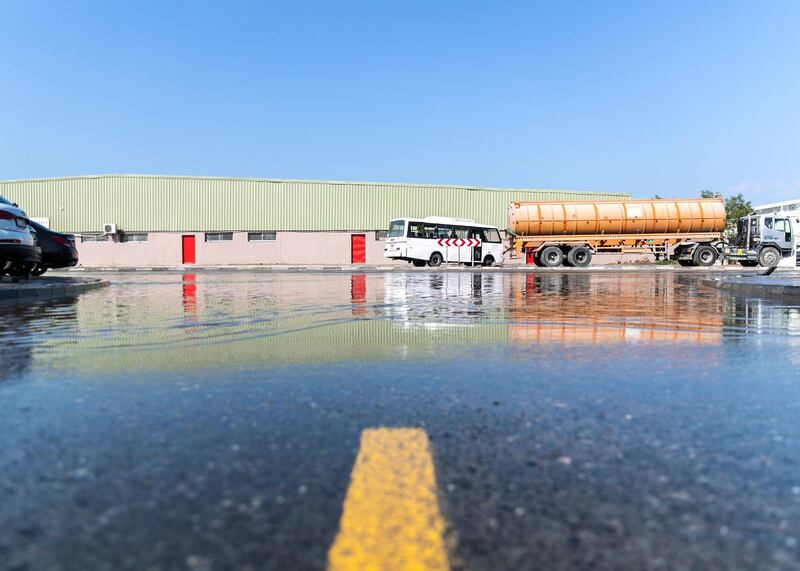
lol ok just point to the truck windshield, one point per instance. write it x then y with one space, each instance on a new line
396 228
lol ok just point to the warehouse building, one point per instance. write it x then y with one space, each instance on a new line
136 220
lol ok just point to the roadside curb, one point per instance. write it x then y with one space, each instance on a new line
758 289
358 269
50 288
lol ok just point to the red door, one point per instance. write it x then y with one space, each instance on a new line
358 249
188 250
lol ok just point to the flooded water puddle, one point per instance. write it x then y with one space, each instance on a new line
173 321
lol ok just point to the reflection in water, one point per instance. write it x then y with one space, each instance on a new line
22 325
586 308
190 294
190 321
358 293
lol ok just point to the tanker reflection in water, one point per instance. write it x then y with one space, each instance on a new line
612 308
209 320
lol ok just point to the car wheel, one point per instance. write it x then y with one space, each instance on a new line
705 256
38 270
419 263
769 257
580 257
436 260
21 270
488 261
552 257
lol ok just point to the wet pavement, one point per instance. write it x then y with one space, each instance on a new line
553 421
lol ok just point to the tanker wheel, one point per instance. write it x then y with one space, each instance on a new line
748 263
552 257
686 263
705 256
769 257
436 260
580 257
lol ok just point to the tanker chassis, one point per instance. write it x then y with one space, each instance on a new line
553 234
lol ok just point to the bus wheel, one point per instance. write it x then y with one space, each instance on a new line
580 257
769 257
488 261
436 260
419 263
552 257
704 256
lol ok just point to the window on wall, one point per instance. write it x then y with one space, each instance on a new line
133 237
261 236
94 238
219 236
381 234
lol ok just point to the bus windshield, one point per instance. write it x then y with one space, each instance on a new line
396 228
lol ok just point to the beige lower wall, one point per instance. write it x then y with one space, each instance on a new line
294 248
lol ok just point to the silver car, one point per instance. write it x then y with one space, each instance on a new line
19 253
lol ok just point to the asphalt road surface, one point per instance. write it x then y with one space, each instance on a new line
405 421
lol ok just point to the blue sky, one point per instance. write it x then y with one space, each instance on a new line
663 98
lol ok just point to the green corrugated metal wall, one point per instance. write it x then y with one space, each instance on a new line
164 203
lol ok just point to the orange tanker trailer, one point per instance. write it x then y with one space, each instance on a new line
552 234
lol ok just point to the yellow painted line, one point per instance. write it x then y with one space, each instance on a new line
391 519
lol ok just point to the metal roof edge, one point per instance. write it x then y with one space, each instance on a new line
308 181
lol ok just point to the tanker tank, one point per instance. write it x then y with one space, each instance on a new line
583 218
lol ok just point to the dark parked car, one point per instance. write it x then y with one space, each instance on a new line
58 250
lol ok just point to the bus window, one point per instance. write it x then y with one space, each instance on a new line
462 232
491 235
421 230
396 228
444 231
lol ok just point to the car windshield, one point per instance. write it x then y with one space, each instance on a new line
6 201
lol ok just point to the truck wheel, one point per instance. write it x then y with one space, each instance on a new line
686 263
419 263
769 257
748 263
705 256
488 261
580 257
552 257
436 260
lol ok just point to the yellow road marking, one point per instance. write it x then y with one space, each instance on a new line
391 520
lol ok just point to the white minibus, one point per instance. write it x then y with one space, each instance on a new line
438 240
